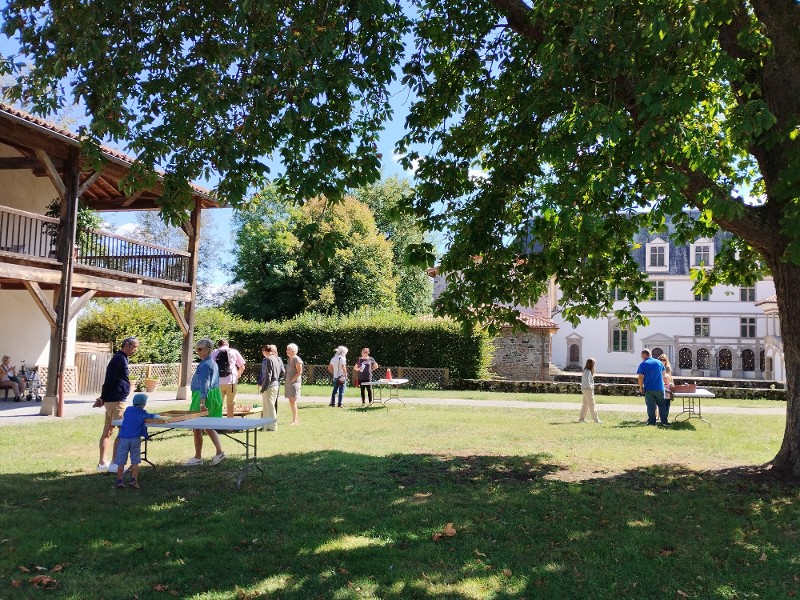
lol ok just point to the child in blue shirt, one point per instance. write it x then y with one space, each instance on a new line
130 436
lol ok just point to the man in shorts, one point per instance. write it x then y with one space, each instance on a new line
113 395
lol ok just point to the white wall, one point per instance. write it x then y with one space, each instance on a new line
670 318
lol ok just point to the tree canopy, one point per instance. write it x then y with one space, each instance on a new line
322 257
588 119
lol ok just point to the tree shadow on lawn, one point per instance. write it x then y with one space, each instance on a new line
335 524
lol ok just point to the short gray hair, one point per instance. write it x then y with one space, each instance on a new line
341 350
204 343
293 347
129 340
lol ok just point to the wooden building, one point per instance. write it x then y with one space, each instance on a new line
49 271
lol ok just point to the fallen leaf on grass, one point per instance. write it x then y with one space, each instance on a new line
24 569
44 582
436 536
425 576
682 594
45 499
422 495
57 568
448 530
161 587
478 554
5 541
763 557
507 572
15 583
667 551
38 568
343 571
245 595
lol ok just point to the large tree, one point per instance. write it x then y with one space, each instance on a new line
386 200
588 118
322 257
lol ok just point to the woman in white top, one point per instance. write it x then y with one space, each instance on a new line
338 370
587 388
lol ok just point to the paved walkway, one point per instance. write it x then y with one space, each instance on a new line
13 413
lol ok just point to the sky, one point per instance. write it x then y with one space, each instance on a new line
220 220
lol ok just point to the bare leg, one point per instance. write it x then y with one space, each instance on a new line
135 471
198 442
104 437
214 437
293 407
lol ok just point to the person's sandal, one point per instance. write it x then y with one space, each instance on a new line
120 484
134 483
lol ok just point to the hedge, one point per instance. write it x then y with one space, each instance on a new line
393 339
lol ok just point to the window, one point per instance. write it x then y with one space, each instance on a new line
658 290
725 360
620 340
701 328
657 256
761 358
618 294
703 357
747 294
702 297
685 358
702 255
748 360
748 327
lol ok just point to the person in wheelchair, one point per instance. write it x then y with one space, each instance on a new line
9 379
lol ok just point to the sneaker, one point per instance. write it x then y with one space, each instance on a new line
581 421
597 421
120 484
218 458
134 483
193 462
331 404
102 467
112 468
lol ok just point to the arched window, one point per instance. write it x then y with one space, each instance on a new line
575 354
761 358
703 359
656 352
685 358
725 360
748 360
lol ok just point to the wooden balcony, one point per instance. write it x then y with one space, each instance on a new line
111 265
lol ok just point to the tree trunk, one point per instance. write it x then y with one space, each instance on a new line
787 287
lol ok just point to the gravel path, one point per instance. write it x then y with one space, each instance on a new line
13 413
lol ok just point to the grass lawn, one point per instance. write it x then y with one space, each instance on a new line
351 501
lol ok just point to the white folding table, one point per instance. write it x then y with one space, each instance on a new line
223 425
691 403
392 385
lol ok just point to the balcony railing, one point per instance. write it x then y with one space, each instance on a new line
32 235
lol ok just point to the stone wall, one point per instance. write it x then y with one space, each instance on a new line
522 355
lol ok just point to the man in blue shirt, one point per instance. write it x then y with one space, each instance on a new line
651 382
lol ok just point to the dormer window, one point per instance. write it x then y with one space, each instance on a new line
658 256
703 253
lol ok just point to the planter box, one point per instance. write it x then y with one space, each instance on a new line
685 389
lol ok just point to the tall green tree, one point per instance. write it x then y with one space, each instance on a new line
386 200
323 257
589 118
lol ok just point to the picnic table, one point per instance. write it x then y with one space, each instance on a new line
392 386
230 428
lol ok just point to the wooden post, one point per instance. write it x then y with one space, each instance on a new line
192 228
53 402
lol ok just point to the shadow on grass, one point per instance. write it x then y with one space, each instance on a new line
343 525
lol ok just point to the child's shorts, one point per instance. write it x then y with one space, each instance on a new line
132 446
